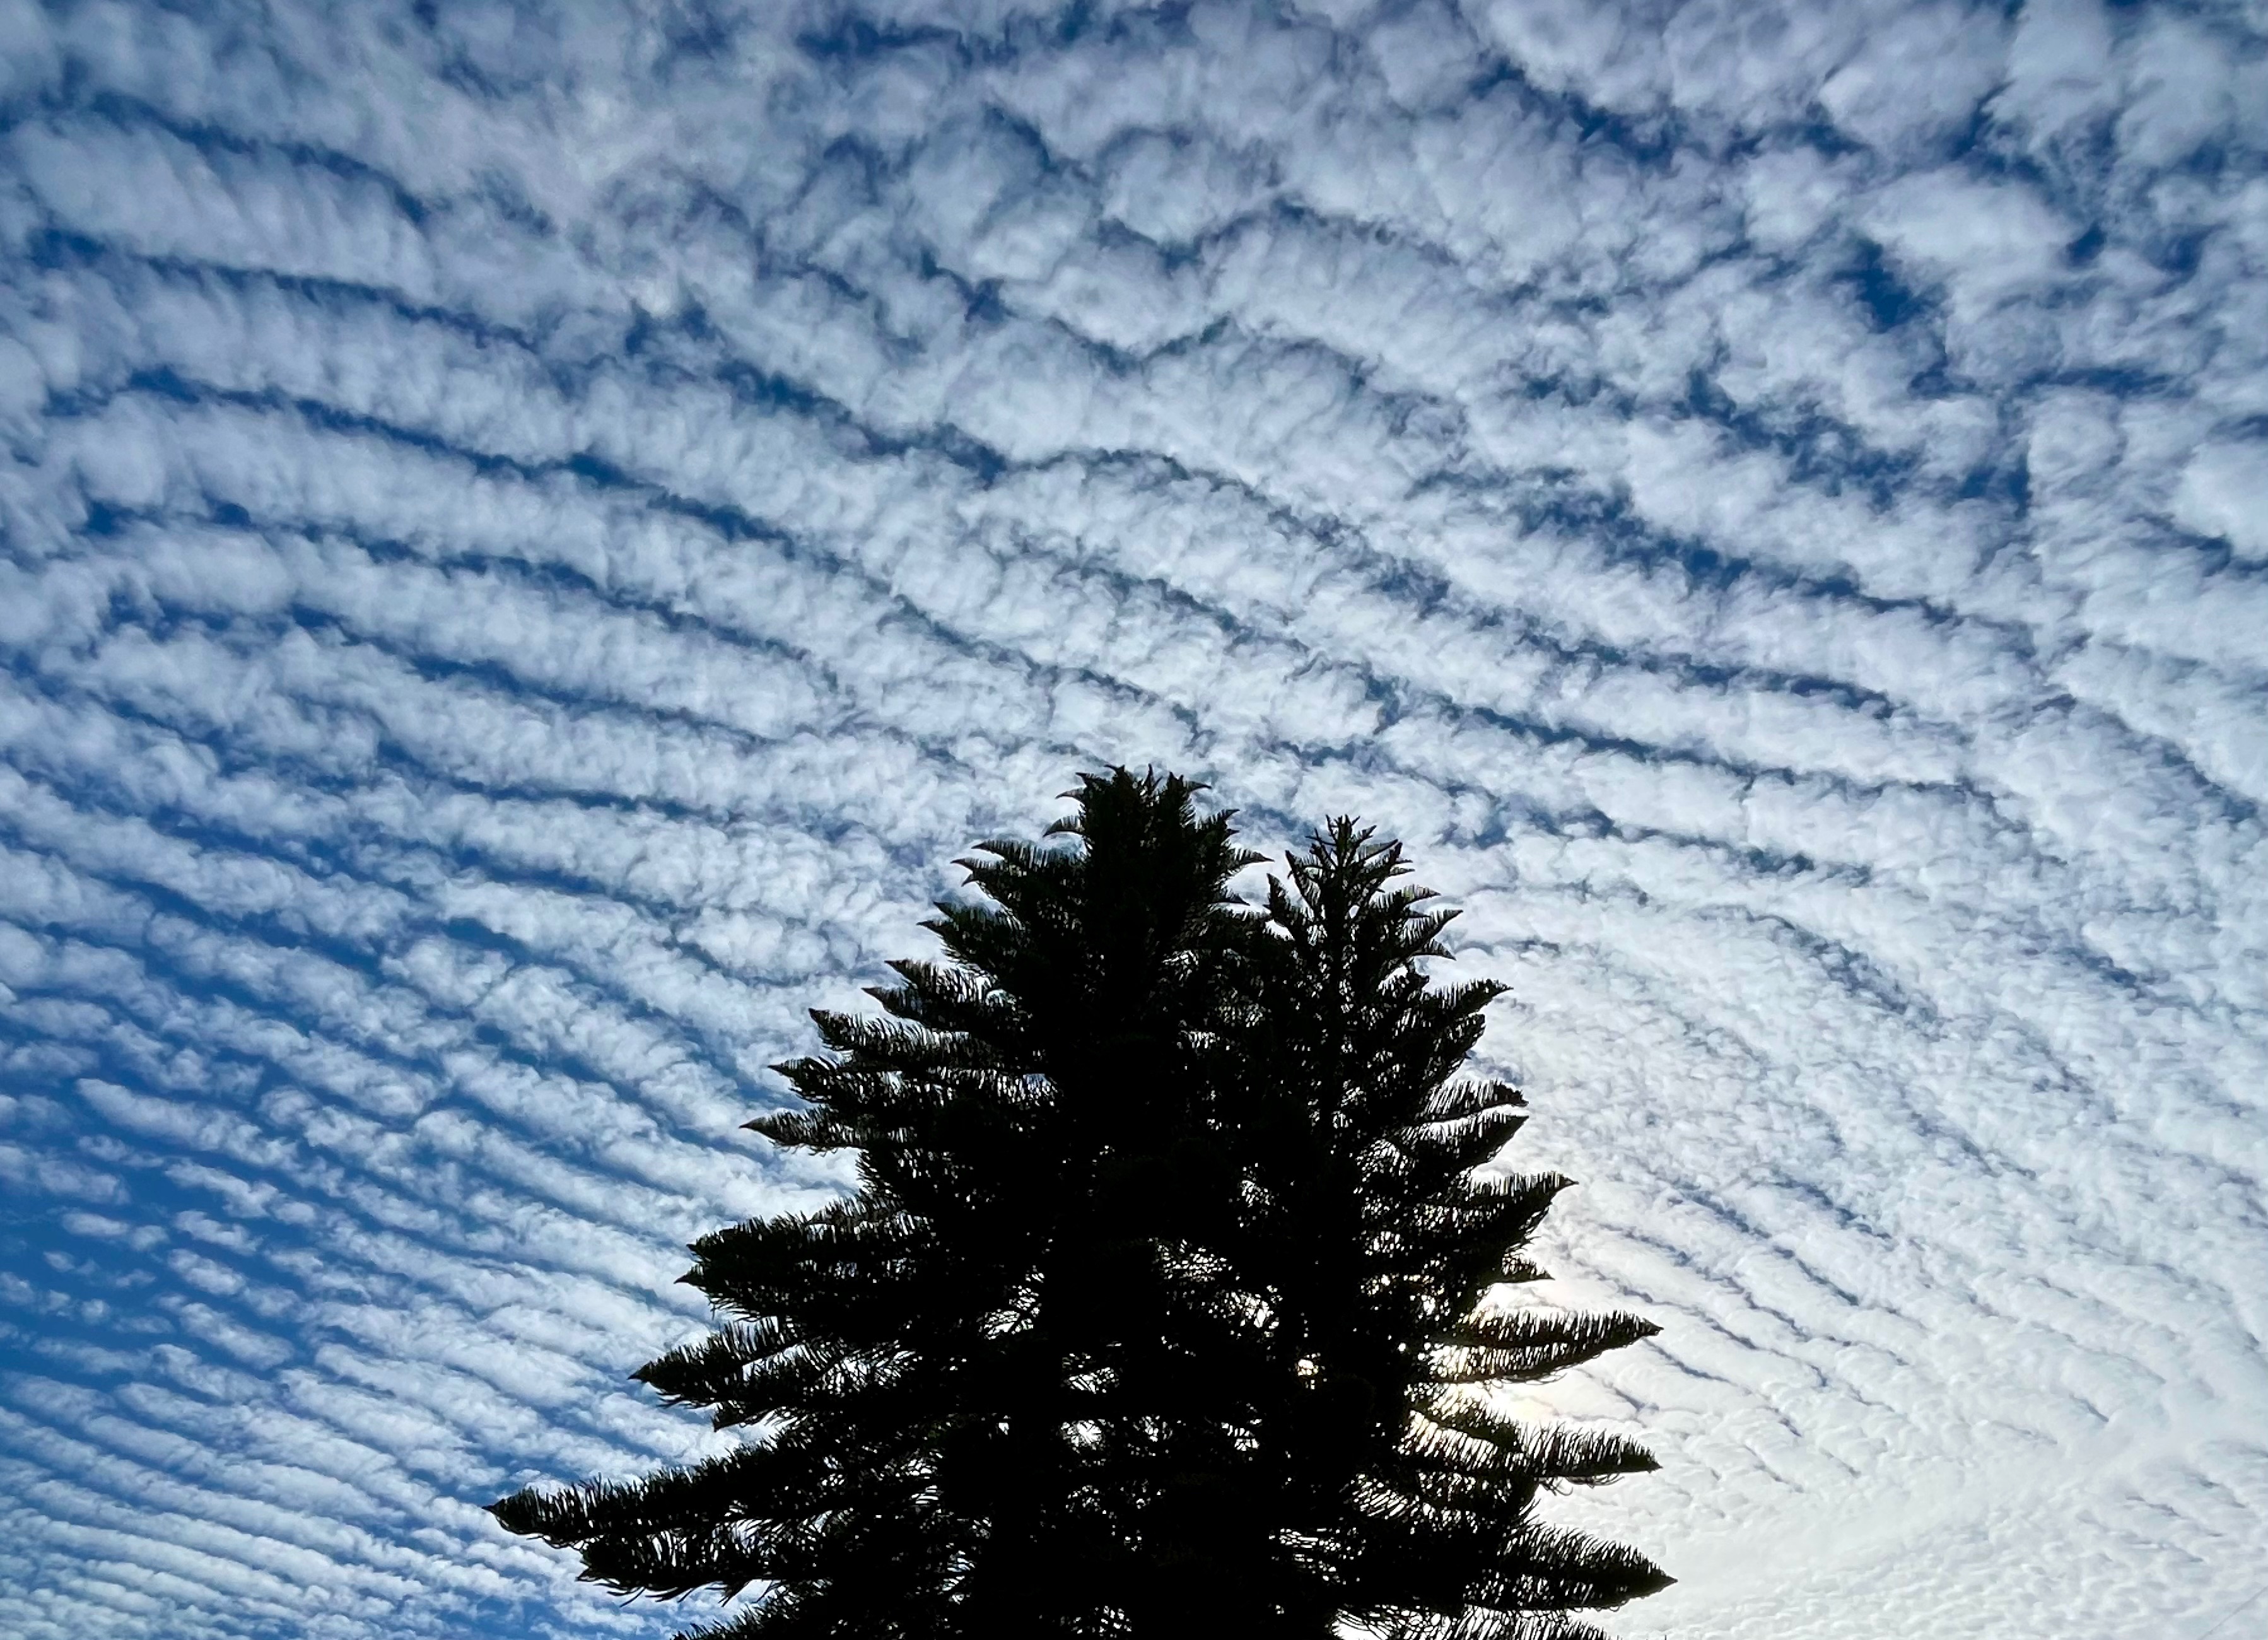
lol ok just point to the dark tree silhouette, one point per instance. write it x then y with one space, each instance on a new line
974 1381
1158 1305
1375 1251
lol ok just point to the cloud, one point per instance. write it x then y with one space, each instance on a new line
531 544
2222 493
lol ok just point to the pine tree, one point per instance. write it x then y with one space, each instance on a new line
1160 1304
975 1387
1377 1251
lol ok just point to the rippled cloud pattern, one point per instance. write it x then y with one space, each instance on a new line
534 533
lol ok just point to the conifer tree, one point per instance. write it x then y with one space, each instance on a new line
1161 1305
1376 1251
972 1383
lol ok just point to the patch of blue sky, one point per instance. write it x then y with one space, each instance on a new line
531 540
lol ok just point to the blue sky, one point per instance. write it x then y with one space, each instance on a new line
533 534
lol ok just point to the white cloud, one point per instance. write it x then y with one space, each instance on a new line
1987 241
2223 491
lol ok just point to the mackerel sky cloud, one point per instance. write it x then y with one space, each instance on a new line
533 534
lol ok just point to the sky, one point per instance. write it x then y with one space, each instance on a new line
533 535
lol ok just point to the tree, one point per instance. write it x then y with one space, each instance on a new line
1376 1249
1160 1301
967 1378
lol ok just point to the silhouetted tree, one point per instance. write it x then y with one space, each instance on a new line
1375 1248
1161 1301
971 1381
